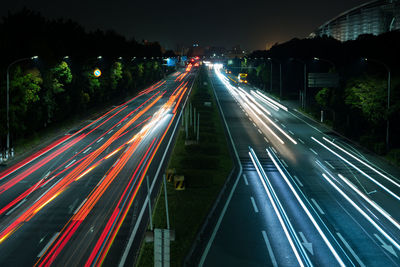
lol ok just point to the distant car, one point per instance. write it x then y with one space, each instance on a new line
242 77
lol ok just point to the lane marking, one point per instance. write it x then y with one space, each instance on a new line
254 125
306 244
292 133
330 165
254 204
100 139
259 131
245 179
270 251
318 207
48 245
301 141
284 163
266 140
84 152
313 151
72 162
351 250
297 180
16 207
283 125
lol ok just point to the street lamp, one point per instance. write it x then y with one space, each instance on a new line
326 60
305 81
8 99
280 75
99 57
66 57
388 95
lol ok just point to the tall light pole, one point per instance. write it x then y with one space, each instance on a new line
388 95
280 75
8 99
305 81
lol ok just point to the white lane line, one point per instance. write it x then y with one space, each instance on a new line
283 125
84 152
301 141
313 151
259 131
297 180
270 251
254 204
292 133
266 140
245 179
276 120
48 245
100 140
16 207
72 162
254 125
274 150
118 124
284 163
110 131
318 207
351 250
246 114
330 165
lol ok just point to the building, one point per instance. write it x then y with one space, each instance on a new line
374 17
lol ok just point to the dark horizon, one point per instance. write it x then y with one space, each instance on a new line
253 26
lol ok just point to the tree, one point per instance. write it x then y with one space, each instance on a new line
368 94
115 75
24 89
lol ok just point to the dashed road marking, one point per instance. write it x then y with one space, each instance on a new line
297 180
318 207
245 179
313 151
301 141
330 165
254 204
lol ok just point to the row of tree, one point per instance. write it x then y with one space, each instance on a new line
60 83
358 106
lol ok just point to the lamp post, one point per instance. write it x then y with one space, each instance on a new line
280 75
305 81
388 95
8 99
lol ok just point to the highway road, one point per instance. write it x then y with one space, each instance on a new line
83 199
304 196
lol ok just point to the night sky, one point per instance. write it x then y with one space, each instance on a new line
251 23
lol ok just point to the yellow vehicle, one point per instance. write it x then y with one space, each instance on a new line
242 77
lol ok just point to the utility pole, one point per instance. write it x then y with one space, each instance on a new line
149 199
166 201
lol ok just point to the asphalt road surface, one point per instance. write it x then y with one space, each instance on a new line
82 200
305 195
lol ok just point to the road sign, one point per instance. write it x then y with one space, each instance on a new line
318 80
97 73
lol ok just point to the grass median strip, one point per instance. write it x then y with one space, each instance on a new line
204 164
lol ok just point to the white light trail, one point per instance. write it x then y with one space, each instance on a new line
358 169
362 162
391 240
322 234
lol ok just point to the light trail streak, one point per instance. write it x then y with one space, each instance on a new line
362 162
63 184
365 215
372 203
358 169
284 221
273 101
309 215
